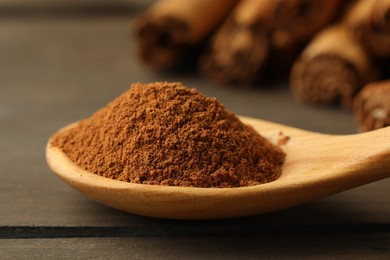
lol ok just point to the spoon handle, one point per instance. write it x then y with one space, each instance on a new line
361 158
372 149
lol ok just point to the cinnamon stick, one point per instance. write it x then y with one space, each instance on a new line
238 52
369 20
240 47
331 69
293 24
372 106
170 28
293 21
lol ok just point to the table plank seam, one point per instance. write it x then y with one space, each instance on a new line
14 232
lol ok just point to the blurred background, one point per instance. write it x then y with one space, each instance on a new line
82 54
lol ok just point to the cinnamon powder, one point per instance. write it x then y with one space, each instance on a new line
167 134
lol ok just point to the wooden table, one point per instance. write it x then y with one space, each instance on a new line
59 66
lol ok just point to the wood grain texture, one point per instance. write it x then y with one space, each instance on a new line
281 246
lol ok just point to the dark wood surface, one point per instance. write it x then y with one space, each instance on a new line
58 69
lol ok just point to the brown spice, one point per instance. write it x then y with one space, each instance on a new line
372 106
369 21
166 134
283 139
332 69
259 34
169 30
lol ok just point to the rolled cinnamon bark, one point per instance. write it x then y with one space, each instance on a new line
239 50
293 21
293 24
240 47
331 69
171 28
369 20
372 106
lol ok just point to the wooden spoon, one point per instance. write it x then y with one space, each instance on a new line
317 165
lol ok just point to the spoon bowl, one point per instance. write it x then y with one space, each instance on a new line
316 165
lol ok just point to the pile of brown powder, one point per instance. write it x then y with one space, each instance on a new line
167 134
